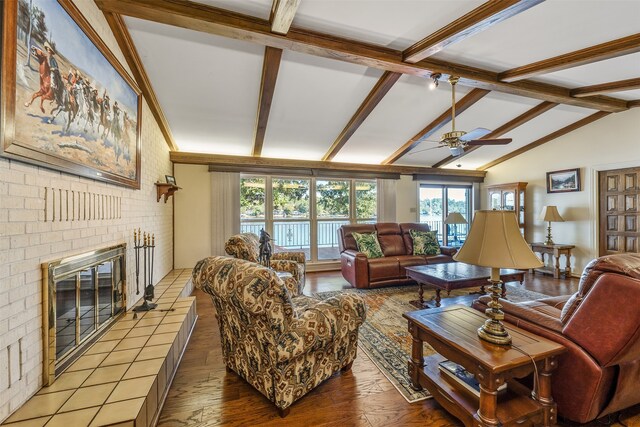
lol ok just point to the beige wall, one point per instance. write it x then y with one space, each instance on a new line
610 143
406 199
192 215
26 241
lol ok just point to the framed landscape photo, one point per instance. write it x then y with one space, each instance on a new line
66 102
563 181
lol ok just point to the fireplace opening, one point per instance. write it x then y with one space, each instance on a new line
84 295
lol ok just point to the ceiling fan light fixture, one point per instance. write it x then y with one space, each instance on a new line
456 150
433 84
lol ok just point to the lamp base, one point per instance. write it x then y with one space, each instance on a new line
493 330
549 242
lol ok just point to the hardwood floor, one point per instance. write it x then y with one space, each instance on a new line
204 394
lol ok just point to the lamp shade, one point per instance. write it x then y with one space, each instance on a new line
550 214
495 241
455 218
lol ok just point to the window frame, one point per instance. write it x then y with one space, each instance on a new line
269 220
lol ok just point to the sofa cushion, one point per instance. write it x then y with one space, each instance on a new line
390 238
383 269
409 261
625 264
425 242
368 244
406 228
437 259
346 234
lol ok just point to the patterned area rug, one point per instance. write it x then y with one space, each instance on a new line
384 336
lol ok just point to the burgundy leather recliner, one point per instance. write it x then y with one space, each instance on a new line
600 327
397 247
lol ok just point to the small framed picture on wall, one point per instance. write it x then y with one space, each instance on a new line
563 181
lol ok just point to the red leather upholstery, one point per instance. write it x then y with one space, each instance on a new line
397 247
600 372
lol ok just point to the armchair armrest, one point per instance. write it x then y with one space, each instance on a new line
288 267
448 250
298 257
319 325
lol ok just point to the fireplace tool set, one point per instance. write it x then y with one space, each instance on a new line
144 242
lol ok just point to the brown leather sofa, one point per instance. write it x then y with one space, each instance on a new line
600 327
397 246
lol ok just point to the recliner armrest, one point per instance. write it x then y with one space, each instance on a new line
536 312
448 250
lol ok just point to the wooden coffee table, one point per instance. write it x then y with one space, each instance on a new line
451 331
457 275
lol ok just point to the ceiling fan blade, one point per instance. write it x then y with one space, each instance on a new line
501 141
477 133
426 149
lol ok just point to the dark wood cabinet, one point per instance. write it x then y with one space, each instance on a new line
509 197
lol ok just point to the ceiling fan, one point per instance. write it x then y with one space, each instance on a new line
457 140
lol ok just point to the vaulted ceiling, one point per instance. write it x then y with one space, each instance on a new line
348 80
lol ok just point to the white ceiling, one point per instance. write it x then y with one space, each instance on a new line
208 85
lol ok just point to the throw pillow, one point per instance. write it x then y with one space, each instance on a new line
368 244
425 242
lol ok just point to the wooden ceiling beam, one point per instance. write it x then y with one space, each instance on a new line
600 52
384 84
282 13
270 68
200 17
507 127
479 19
267 162
619 86
633 104
467 101
565 130
130 53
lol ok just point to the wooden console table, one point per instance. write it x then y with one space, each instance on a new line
556 251
451 331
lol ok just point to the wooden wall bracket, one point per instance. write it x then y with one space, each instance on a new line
166 189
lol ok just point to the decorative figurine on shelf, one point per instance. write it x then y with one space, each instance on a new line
265 248
146 242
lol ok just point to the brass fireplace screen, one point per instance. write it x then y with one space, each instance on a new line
82 296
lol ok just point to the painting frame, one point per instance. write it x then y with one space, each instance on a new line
121 168
563 181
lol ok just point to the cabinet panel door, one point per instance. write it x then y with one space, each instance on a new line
509 198
495 200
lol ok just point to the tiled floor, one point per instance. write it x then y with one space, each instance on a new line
122 378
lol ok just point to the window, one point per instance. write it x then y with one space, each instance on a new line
304 214
437 202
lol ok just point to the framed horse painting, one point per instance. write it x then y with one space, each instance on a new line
67 103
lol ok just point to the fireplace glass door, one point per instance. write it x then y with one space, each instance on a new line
85 294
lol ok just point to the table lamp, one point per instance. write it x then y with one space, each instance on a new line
550 214
495 241
455 218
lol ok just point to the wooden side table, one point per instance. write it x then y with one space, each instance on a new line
451 331
556 251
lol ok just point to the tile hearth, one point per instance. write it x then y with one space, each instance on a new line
123 378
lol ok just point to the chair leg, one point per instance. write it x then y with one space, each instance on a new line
347 367
284 412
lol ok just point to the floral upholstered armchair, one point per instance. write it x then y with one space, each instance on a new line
283 346
246 246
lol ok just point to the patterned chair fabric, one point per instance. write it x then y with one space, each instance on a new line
283 346
246 246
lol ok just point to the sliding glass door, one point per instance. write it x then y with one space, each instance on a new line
437 203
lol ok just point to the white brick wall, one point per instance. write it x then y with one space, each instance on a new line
26 240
